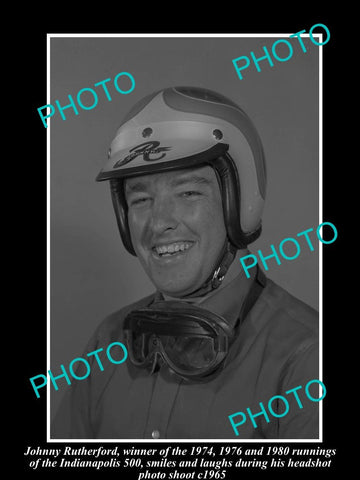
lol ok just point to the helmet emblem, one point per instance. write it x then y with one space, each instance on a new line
147 150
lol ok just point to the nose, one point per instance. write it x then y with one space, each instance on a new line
163 216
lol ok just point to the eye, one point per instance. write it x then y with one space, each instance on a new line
139 201
191 193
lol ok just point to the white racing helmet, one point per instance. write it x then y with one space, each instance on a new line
189 127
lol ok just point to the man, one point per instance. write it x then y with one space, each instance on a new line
188 180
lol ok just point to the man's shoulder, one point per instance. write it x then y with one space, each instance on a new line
111 326
288 311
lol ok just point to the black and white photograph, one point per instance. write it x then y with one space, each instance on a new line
187 241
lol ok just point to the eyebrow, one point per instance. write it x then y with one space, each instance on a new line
190 179
141 186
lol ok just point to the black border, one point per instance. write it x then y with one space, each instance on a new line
30 222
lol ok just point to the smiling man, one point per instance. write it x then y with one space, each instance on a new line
188 180
176 222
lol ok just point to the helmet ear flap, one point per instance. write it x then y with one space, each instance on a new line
227 174
120 208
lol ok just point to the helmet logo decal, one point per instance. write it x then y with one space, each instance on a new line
146 149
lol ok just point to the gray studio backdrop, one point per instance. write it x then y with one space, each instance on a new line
91 273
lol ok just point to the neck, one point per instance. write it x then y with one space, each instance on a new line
233 271
228 300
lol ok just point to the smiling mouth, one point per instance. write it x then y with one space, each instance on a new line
171 249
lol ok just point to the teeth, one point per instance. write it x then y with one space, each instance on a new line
172 248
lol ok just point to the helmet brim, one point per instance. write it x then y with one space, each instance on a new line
172 160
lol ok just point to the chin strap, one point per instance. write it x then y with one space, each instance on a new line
226 258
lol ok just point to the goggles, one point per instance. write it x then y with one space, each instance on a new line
192 341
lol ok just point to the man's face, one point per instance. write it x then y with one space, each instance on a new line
177 227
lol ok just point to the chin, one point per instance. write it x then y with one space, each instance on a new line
177 289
